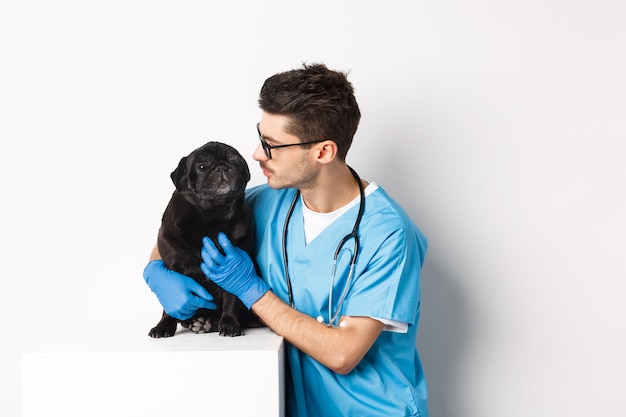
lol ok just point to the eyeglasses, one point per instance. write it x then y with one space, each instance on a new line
267 148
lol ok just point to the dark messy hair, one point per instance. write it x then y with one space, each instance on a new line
319 103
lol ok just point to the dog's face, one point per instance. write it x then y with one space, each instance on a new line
212 176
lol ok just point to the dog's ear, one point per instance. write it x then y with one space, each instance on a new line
179 175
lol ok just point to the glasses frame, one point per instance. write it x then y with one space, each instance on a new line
267 148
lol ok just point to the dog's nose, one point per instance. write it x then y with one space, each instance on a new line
222 169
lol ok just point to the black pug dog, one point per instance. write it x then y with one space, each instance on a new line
209 198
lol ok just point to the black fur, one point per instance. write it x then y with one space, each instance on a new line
209 198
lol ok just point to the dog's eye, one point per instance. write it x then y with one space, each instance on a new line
202 167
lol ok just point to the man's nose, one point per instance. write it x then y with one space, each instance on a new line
259 154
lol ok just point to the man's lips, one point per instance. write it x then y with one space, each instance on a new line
266 170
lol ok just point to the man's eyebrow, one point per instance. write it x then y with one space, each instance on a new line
269 138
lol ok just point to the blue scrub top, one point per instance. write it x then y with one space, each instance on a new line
390 379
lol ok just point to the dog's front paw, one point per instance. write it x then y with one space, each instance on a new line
162 331
198 324
164 328
228 326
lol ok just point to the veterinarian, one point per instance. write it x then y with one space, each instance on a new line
339 259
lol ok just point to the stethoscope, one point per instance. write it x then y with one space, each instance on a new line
332 318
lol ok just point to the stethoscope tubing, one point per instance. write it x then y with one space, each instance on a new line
332 318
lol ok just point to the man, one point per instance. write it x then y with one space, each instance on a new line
351 328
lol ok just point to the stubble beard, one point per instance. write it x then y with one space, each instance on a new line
300 176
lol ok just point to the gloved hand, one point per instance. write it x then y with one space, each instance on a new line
233 271
179 295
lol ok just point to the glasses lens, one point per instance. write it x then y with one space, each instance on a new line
266 147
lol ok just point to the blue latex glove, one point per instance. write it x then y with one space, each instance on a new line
179 295
233 271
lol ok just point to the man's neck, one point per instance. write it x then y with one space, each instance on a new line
335 187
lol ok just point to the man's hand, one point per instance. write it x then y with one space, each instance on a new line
233 271
179 295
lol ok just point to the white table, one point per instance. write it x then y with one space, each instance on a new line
117 370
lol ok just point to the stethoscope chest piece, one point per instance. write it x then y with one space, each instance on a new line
320 319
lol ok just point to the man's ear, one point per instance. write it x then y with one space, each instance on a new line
327 152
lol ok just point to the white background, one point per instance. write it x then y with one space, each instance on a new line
498 125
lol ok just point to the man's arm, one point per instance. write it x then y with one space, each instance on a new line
155 255
338 348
